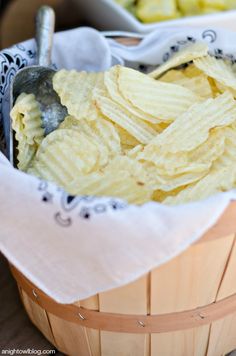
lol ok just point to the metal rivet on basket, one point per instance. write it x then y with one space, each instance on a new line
141 323
35 294
81 317
201 316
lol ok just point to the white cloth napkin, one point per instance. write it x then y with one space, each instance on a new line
75 247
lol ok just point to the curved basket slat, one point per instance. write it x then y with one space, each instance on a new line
182 293
128 322
155 294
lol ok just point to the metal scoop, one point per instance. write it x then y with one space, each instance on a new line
37 80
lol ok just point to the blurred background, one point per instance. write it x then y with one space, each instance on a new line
17 18
143 16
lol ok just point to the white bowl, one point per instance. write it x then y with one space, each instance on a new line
108 15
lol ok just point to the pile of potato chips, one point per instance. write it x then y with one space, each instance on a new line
169 136
159 10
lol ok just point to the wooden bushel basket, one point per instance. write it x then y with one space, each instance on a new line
186 307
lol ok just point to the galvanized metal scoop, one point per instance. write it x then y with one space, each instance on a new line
37 80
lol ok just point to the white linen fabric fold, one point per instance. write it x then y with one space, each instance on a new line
75 247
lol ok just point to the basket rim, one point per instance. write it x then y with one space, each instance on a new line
125 323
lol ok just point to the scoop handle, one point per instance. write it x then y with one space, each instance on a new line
45 25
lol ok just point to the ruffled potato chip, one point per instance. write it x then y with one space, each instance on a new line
111 84
64 154
165 101
25 154
215 182
167 183
172 76
191 71
188 54
199 84
196 161
26 119
27 124
159 195
75 90
118 185
222 176
100 130
122 117
125 138
193 127
217 69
